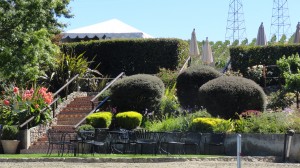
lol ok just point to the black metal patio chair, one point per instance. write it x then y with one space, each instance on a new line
146 138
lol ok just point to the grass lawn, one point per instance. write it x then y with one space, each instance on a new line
106 156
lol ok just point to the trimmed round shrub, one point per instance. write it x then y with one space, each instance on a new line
189 82
99 119
85 127
206 124
229 96
129 120
137 93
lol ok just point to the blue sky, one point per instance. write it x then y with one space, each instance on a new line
177 18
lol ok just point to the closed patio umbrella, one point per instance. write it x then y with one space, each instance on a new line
297 34
261 36
207 57
194 50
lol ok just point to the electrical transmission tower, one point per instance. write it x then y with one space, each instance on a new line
235 29
280 24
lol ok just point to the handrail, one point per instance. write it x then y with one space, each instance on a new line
44 109
67 84
106 87
186 64
31 118
100 104
226 66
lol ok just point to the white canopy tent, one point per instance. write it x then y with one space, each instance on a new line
110 29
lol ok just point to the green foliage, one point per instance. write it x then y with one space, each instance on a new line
85 127
266 122
25 32
67 66
168 76
9 132
169 103
99 119
189 81
243 57
289 67
129 120
227 96
168 124
280 100
138 93
132 56
210 125
180 122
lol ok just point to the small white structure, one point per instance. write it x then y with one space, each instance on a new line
110 29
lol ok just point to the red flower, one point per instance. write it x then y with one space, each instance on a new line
37 106
16 90
6 102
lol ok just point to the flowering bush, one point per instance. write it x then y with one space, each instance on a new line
18 105
255 73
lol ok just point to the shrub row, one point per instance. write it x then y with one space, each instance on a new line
127 120
131 56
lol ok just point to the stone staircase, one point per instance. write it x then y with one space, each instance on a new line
67 117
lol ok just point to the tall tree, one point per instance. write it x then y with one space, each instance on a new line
26 28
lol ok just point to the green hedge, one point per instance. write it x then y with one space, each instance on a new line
129 120
243 57
99 119
131 56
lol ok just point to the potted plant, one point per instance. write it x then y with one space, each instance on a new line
9 139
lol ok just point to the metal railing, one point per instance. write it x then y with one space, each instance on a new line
91 112
186 64
102 102
106 87
53 103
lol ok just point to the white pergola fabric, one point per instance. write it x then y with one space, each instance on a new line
108 29
261 39
194 50
297 34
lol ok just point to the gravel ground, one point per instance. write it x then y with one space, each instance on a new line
185 164
226 162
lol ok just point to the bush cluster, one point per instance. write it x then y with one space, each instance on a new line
138 93
131 56
99 119
228 96
189 81
129 120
